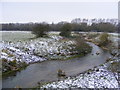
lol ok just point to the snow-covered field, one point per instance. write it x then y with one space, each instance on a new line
35 50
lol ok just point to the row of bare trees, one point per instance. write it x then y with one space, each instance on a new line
40 29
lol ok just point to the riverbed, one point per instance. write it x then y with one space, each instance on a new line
47 70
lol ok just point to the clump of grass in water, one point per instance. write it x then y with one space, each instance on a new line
61 73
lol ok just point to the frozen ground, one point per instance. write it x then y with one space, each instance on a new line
35 50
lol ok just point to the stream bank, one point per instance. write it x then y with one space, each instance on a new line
47 71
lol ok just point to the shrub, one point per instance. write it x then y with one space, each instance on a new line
82 47
103 39
66 30
40 30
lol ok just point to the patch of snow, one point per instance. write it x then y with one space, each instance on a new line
95 79
37 50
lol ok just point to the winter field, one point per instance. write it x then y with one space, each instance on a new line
21 46
21 49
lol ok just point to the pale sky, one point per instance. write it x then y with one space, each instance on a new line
24 12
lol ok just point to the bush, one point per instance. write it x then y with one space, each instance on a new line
66 30
40 30
103 39
82 47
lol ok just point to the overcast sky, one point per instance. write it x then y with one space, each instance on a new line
23 12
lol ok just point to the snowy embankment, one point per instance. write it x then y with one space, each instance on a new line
37 50
98 77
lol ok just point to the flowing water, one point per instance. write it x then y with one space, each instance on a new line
47 71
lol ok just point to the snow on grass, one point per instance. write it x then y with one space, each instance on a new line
98 77
35 50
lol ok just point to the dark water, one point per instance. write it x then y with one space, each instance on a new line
47 71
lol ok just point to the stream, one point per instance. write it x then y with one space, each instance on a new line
47 71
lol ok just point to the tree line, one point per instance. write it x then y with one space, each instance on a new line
100 27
